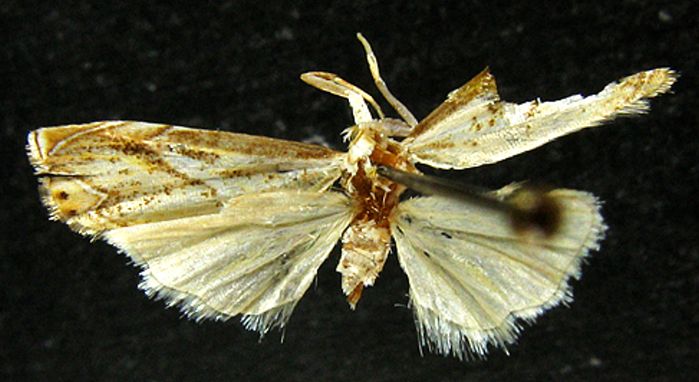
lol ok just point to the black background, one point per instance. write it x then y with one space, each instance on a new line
70 309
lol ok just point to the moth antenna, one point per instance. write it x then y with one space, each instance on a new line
403 111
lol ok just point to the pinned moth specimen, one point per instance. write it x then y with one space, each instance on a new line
225 224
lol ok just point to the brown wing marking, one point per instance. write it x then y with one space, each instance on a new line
481 87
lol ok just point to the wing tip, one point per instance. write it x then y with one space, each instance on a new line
43 141
655 81
35 154
638 88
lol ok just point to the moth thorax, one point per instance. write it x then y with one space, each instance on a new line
361 147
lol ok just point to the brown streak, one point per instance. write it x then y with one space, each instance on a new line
248 144
157 131
197 154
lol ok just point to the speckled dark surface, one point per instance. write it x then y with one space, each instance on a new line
70 309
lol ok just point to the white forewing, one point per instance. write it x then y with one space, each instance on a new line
471 277
112 174
256 257
473 127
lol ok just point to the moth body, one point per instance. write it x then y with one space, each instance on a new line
225 224
367 241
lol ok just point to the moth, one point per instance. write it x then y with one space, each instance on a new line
225 224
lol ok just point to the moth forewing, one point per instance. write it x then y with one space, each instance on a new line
473 127
112 174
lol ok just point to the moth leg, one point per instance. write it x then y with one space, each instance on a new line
381 84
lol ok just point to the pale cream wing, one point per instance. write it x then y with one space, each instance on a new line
105 175
472 278
473 127
255 257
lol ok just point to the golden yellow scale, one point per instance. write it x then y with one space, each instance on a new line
226 224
